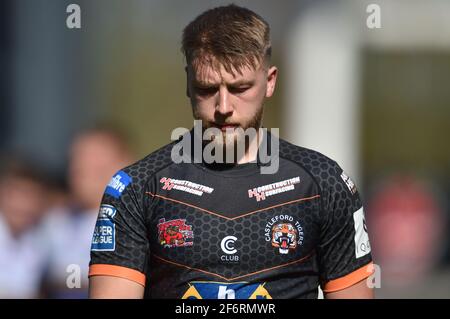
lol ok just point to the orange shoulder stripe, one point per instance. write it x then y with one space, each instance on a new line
117 271
350 279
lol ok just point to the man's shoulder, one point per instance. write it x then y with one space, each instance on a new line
327 173
311 160
150 164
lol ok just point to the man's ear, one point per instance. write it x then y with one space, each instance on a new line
188 94
272 74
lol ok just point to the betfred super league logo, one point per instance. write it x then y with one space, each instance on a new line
175 233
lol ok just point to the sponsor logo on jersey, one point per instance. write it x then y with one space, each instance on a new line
175 233
118 184
349 182
262 192
227 246
362 244
284 233
220 290
104 238
107 211
185 186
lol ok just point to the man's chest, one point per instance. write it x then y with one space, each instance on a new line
232 226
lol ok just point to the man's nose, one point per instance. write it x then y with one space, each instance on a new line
224 106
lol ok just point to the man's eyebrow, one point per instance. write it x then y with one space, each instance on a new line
205 84
236 83
241 83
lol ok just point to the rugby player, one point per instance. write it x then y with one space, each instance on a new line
196 229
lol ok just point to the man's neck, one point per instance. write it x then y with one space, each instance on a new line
251 152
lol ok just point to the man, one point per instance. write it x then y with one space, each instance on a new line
94 156
24 199
244 234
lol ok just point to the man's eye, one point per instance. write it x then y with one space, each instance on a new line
205 91
236 90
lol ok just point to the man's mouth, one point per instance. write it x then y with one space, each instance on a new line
225 127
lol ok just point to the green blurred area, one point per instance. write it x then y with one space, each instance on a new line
406 113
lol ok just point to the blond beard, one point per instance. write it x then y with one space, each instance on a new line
230 141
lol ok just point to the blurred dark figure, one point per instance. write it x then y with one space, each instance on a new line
95 156
24 198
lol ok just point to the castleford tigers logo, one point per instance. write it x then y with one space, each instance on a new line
284 237
175 233
284 233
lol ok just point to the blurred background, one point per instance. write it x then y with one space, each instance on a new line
78 104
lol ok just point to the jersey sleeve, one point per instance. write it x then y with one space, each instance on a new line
344 250
120 246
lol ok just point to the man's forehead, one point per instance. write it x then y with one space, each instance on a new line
213 75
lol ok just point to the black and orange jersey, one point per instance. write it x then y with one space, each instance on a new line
195 230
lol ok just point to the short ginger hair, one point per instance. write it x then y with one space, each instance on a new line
231 36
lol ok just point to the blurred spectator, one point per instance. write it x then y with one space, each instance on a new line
408 218
95 156
23 199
